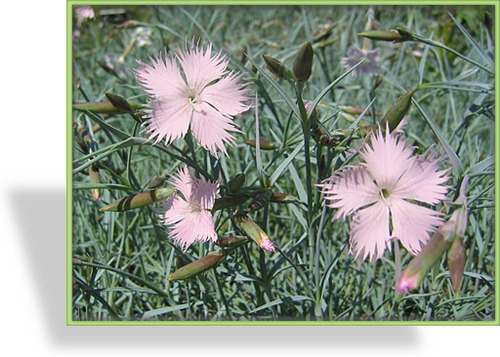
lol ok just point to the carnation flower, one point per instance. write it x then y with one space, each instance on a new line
382 193
188 213
83 13
371 66
193 90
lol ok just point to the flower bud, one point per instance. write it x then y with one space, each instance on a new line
422 263
156 182
456 262
302 65
230 200
264 144
139 200
120 103
407 35
261 200
397 111
279 197
236 183
231 241
82 137
323 32
356 111
392 36
104 107
211 260
95 178
313 116
254 232
441 241
277 68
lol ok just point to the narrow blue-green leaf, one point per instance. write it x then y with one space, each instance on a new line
331 85
295 298
455 161
281 91
118 133
354 125
285 163
481 167
108 150
299 216
423 65
480 276
110 186
473 42
299 186
165 310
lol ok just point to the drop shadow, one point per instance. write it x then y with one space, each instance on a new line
43 238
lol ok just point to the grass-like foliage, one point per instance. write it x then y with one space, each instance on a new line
124 258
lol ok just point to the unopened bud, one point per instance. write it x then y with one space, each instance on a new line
422 263
441 241
119 102
264 144
302 65
323 32
253 230
407 34
231 241
277 68
260 201
456 262
392 36
104 107
156 182
95 178
313 116
279 197
397 111
236 183
139 200
230 200
356 111
211 260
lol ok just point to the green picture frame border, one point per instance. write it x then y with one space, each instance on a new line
69 148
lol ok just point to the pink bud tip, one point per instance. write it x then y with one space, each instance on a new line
267 245
405 284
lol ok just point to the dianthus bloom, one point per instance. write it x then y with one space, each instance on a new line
382 194
371 66
188 213
84 13
193 90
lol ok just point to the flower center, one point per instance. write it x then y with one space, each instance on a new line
195 101
385 193
192 97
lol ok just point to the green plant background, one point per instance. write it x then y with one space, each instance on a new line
121 261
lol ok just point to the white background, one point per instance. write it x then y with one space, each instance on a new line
33 221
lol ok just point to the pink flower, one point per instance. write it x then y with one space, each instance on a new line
188 213
83 13
193 90
380 194
371 66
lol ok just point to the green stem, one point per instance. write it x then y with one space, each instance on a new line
306 128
